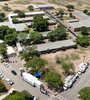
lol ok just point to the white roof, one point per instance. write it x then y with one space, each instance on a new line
46 6
10 50
31 77
27 13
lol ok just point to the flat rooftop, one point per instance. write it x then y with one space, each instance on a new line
55 45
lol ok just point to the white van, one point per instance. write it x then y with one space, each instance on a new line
82 68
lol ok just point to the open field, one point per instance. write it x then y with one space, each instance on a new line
76 56
22 4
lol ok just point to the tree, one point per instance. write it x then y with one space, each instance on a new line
84 31
2 87
70 7
17 11
2 49
36 37
82 41
67 66
71 15
53 79
57 34
16 95
61 13
1 19
85 93
21 14
39 23
85 11
3 31
2 14
11 39
36 63
22 37
29 53
15 20
30 7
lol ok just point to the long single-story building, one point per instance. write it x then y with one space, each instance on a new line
54 46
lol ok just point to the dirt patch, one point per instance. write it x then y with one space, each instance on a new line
76 56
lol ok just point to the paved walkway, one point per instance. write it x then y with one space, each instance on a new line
58 97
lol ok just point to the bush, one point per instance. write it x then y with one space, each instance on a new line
82 41
17 11
21 14
67 66
30 7
15 20
53 79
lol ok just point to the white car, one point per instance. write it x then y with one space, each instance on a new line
82 68
9 81
1 75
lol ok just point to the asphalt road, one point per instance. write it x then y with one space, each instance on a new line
19 83
82 81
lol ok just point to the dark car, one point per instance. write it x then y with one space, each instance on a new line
14 73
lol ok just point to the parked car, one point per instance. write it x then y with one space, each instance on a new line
1 75
9 81
13 72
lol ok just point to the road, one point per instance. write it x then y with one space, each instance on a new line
19 83
82 81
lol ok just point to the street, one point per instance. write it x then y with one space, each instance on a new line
82 81
70 94
19 83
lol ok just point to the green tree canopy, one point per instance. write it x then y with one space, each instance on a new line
21 14
70 7
30 7
85 93
36 37
82 41
10 38
2 14
84 31
36 63
16 95
57 34
39 23
85 11
29 53
2 49
53 79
